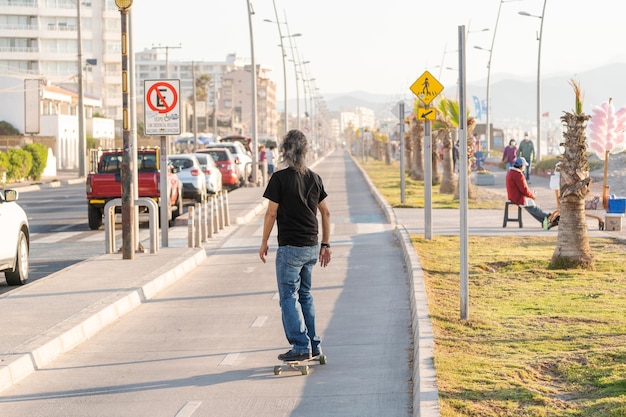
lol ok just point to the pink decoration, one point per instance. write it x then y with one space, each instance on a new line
606 129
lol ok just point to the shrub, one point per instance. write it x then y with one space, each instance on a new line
20 164
39 153
4 163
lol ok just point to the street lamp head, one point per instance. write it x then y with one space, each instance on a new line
528 14
123 4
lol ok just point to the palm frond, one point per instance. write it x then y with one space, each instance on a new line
578 105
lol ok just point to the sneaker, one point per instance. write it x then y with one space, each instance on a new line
316 352
294 356
545 225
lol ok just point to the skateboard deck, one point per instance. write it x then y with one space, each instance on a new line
299 366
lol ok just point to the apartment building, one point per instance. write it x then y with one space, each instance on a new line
39 39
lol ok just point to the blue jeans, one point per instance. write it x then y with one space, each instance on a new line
294 267
534 210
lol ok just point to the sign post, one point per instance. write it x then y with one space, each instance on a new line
162 118
426 88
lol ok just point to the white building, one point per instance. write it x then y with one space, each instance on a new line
39 39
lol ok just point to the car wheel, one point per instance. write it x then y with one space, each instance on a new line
19 275
95 217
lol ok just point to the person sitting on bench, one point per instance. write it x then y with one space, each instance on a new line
518 192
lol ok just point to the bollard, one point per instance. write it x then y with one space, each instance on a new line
211 215
227 209
205 221
198 226
190 227
216 214
221 209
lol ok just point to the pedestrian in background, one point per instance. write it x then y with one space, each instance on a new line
510 154
270 160
295 194
518 192
527 151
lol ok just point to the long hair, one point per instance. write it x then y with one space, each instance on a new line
293 150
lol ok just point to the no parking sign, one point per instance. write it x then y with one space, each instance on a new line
162 107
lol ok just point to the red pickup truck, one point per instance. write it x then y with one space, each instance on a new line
105 184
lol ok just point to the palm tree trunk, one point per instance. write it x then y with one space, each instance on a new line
572 246
448 185
417 137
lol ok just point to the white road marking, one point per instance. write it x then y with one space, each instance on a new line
188 409
259 321
229 360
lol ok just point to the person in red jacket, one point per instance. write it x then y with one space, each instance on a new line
518 192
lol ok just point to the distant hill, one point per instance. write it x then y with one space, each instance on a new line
513 100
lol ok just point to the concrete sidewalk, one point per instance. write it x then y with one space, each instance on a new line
52 315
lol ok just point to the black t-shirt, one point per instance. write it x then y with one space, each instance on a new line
297 196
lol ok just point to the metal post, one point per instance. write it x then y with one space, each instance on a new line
210 218
190 226
428 180
539 84
221 209
254 133
197 225
128 206
82 137
402 181
226 209
463 185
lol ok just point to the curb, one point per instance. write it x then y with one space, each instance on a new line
23 364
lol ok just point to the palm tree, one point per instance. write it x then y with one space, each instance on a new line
572 246
446 135
417 148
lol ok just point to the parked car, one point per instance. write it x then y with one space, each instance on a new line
187 167
243 155
212 173
103 185
227 164
14 240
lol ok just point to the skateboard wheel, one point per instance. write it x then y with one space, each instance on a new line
322 359
277 370
304 370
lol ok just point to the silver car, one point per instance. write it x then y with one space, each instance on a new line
212 173
14 240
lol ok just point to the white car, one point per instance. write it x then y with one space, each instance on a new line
187 167
15 240
212 173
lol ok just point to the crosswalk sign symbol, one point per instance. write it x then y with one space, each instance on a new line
426 87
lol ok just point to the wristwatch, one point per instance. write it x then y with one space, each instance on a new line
325 245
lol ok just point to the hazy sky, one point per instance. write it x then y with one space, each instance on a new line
354 46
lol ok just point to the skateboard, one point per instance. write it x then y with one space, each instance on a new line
300 366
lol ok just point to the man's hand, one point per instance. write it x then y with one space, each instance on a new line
324 257
263 251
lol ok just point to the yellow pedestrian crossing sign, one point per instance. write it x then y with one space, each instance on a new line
426 87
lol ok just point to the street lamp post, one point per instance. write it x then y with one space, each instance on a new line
82 139
540 39
128 204
255 153
282 51
295 67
